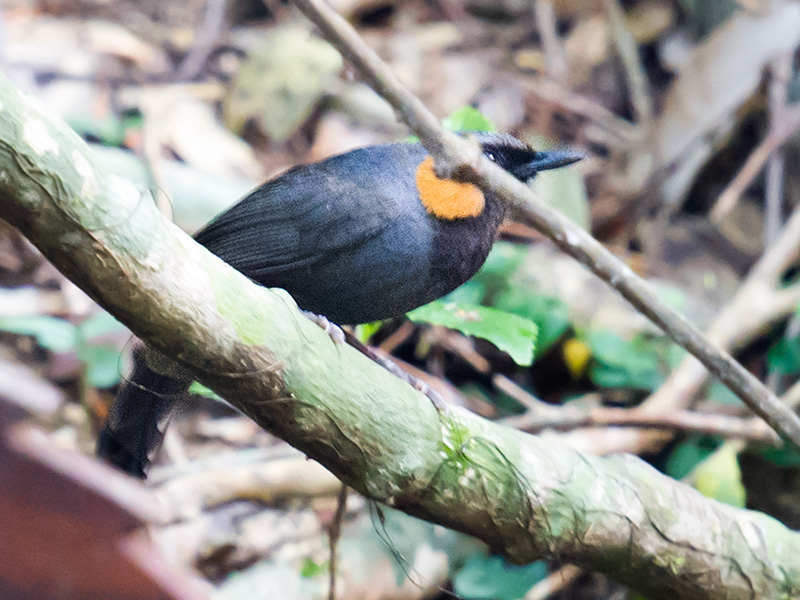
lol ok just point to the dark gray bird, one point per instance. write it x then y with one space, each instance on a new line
359 237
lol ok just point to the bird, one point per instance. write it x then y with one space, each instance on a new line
359 237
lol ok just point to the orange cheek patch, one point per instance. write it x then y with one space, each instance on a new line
446 199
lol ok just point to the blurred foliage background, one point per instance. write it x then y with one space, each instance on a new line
688 111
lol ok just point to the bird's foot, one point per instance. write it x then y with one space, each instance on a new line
339 336
415 382
434 396
335 332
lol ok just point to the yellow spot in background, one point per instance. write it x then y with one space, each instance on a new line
576 356
447 199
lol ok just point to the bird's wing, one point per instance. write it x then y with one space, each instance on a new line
314 213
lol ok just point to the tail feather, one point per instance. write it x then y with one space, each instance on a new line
139 417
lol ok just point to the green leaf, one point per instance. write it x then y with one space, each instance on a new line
565 191
201 390
102 364
468 118
784 355
787 455
718 392
720 477
311 568
510 333
492 279
98 325
688 454
102 360
109 130
551 315
365 331
471 292
56 335
624 363
503 260
493 286
492 578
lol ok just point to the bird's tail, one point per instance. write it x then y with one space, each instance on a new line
136 424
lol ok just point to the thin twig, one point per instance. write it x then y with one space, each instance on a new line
773 198
458 159
397 337
755 308
531 403
334 533
205 37
552 583
751 430
778 257
545 16
791 397
628 49
778 103
622 132
754 164
540 415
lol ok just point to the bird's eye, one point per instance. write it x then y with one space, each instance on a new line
490 156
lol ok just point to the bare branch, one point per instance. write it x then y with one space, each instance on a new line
628 49
578 413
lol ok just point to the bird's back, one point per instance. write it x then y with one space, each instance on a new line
347 237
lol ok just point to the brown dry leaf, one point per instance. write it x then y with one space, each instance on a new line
649 20
74 47
104 37
587 45
720 75
76 55
456 79
188 125
572 8
361 104
270 481
503 103
336 134
589 42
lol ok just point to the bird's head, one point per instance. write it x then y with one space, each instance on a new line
449 200
519 159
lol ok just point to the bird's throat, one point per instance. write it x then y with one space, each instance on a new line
447 199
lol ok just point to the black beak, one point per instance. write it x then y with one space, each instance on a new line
544 161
